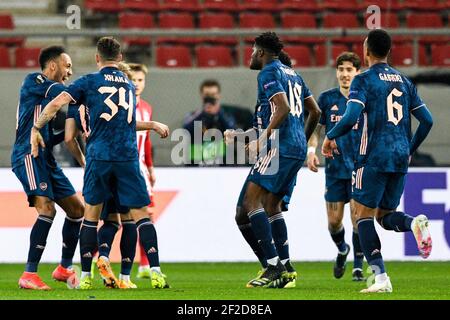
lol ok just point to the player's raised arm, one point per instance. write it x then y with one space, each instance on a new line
47 114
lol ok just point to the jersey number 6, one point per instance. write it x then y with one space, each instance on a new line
393 105
114 108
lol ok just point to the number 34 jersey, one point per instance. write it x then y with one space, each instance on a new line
388 98
112 120
276 78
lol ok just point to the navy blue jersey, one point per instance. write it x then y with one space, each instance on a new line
35 93
276 78
388 97
112 118
333 104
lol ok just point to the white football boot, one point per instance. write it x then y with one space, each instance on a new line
419 227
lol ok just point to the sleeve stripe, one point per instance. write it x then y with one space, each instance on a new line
422 105
73 100
276 94
48 89
310 96
357 101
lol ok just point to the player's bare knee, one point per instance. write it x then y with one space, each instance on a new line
139 213
45 207
241 216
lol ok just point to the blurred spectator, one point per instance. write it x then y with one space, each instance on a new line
213 115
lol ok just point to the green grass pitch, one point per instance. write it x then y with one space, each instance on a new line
226 281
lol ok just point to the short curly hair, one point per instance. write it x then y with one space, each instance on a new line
270 42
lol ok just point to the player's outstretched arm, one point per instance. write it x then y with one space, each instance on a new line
158 127
423 115
47 114
70 139
347 122
230 134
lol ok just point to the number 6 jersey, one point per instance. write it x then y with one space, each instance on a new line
387 97
112 120
276 78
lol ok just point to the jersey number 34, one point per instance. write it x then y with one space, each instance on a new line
122 102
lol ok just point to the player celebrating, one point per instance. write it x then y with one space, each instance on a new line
112 163
262 194
144 112
338 171
386 98
42 179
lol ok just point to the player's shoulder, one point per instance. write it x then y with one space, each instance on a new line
36 79
330 93
145 105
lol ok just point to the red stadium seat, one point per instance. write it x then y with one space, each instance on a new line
103 5
173 56
403 55
182 20
218 20
358 49
142 5
172 20
7 22
298 20
343 20
300 55
299 5
213 56
424 20
387 20
182 5
259 5
256 20
136 21
429 5
248 50
221 5
339 5
27 57
440 55
321 53
5 61
385 5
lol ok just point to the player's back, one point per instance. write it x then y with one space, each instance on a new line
277 78
34 93
388 97
111 103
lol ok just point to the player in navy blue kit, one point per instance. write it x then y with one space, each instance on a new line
282 94
338 171
111 152
42 179
387 99
78 122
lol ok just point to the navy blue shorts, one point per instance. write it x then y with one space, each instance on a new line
38 178
112 206
378 189
337 190
280 181
124 178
